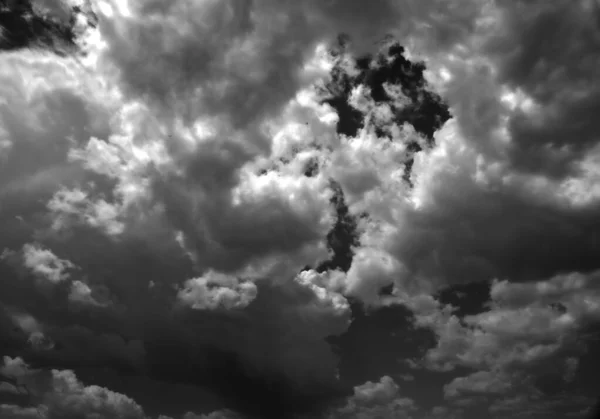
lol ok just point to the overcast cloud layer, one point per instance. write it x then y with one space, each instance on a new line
216 209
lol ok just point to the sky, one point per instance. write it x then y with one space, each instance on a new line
312 209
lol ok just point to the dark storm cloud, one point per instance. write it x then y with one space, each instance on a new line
284 356
524 240
189 128
61 395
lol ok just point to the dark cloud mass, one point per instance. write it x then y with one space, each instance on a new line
46 24
308 210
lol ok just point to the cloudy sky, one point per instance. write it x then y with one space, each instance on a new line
311 209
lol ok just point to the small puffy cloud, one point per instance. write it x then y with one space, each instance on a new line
376 392
45 264
40 342
371 270
216 290
14 367
73 206
82 293
327 287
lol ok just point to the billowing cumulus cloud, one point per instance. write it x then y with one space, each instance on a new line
523 349
258 209
376 399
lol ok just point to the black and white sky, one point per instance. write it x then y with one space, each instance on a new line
310 209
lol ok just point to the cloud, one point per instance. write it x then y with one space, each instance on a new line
444 412
60 394
552 77
373 399
504 336
215 290
82 293
223 414
48 24
41 262
74 206
87 401
480 382
44 263
572 405
407 377
576 292
514 345
203 220
459 224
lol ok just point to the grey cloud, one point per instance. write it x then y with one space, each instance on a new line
282 329
528 405
514 346
375 399
215 290
200 207
529 233
223 414
550 52
525 237
226 237
546 52
42 118
45 264
244 66
59 394
486 382
42 123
